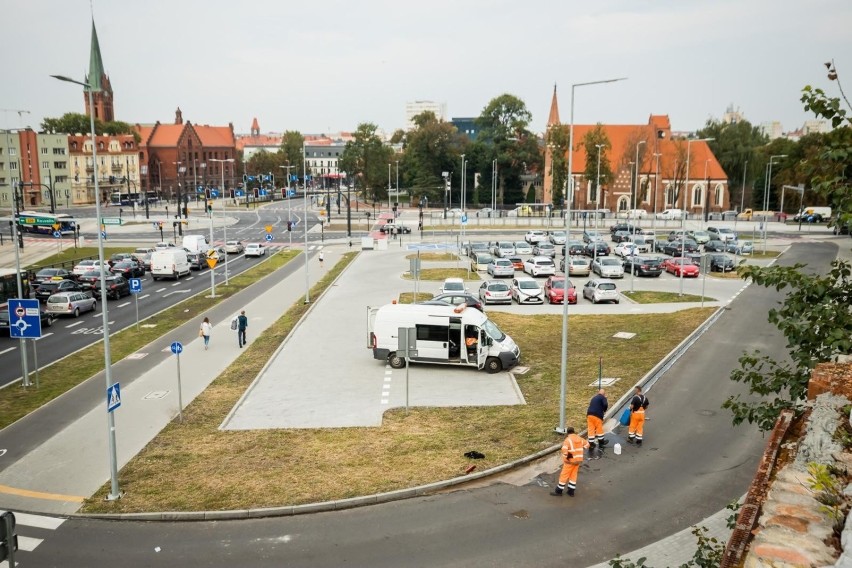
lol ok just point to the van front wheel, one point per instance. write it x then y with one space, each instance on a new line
396 361
493 365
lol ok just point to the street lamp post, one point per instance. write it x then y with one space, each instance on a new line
766 194
462 197
562 427
656 189
397 184
636 185
221 163
289 218
493 186
683 212
598 185
114 493
390 207
742 194
305 223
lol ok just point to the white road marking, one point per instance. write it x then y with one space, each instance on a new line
122 305
158 291
27 544
143 297
178 283
385 401
51 523
70 325
190 277
44 335
7 350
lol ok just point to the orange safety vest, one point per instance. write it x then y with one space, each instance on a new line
470 341
574 445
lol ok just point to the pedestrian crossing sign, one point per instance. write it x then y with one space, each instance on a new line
113 397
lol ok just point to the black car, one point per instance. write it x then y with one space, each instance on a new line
602 249
643 265
88 278
721 263
47 289
390 227
715 245
116 287
197 260
674 248
455 299
575 248
623 227
48 274
47 320
621 236
128 269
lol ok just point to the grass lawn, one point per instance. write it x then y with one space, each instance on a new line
195 466
408 297
435 256
440 274
648 297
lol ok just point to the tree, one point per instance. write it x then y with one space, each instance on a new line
432 147
593 138
367 158
557 139
292 143
77 123
734 144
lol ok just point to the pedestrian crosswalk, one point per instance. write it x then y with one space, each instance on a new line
32 530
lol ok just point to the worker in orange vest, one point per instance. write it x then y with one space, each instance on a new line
572 458
594 420
637 417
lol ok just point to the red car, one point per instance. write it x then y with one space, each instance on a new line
554 290
517 262
678 265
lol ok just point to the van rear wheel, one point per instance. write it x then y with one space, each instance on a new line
493 365
396 361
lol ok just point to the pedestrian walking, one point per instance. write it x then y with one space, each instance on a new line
572 458
242 324
637 417
594 421
204 331
321 257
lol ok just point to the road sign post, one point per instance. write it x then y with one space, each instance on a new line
407 346
212 259
113 397
177 349
24 323
135 289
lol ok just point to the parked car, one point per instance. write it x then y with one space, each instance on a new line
671 214
163 245
48 274
577 266
527 291
454 285
234 247
144 259
720 263
620 236
544 248
699 237
71 303
722 233
554 290
678 235
574 248
715 245
399 228
540 266
474 249
598 291
676 248
523 247
517 262
557 237
678 266
643 265
535 236
607 267
739 247
626 249
87 279
47 289
495 292
626 227
456 299
197 260
501 267
255 249
589 236
128 269
597 248
143 250
117 286
503 249
120 257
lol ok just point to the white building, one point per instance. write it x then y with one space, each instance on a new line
414 108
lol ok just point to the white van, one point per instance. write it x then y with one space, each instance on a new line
446 335
196 243
169 263
670 214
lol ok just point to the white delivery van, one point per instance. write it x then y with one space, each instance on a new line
169 263
670 214
196 243
446 335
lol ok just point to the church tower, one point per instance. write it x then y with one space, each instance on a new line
98 81
552 122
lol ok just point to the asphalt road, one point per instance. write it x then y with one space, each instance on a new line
692 464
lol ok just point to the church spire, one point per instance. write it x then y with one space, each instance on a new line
98 82
96 63
553 119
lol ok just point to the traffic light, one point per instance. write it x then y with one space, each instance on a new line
8 538
289 225
209 209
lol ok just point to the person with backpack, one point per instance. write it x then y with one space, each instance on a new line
242 324
637 417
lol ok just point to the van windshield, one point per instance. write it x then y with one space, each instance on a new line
493 331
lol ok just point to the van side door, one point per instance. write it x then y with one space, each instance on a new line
484 347
433 342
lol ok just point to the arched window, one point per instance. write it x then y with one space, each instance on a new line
623 203
717 194
670 195
592 194
697 194
645 184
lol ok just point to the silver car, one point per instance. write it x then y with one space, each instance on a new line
71 303
527 291
495 292
523 247
600 291
577 265
557 237
608 267
544 248
501 267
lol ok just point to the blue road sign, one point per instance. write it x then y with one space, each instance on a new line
57 235
24 319
214 193
239 193
135 285
113 397
177 347
464 219
103 234
269 237
199 189
263 192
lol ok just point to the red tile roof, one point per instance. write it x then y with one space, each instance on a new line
215 136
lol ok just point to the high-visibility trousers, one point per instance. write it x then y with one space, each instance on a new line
568 476
637 424
595 427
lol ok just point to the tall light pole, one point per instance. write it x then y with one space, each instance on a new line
114 493
390 208
397 183
493 186
561 428
705 199
462 196
656 189
289 226
224 224
305 183
683 212
598 185
766 194
742 194
636 186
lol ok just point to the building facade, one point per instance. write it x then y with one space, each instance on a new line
118 167
413 108
40 163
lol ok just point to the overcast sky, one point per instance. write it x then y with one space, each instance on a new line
327 66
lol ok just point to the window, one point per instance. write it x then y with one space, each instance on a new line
623 203
44 150
13 165
45 165
697 194
13 151
73 145
670 195
60 165
432 333
717 194
57 151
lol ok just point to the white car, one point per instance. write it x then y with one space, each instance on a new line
557 237
164 245
600 291
540 266
452 285
577 265
608 267
501 267
527 291
234 247
535 236
626 249
255 249
523 247
503 249
723 234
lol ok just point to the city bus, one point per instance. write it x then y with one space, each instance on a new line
67 224
124 198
